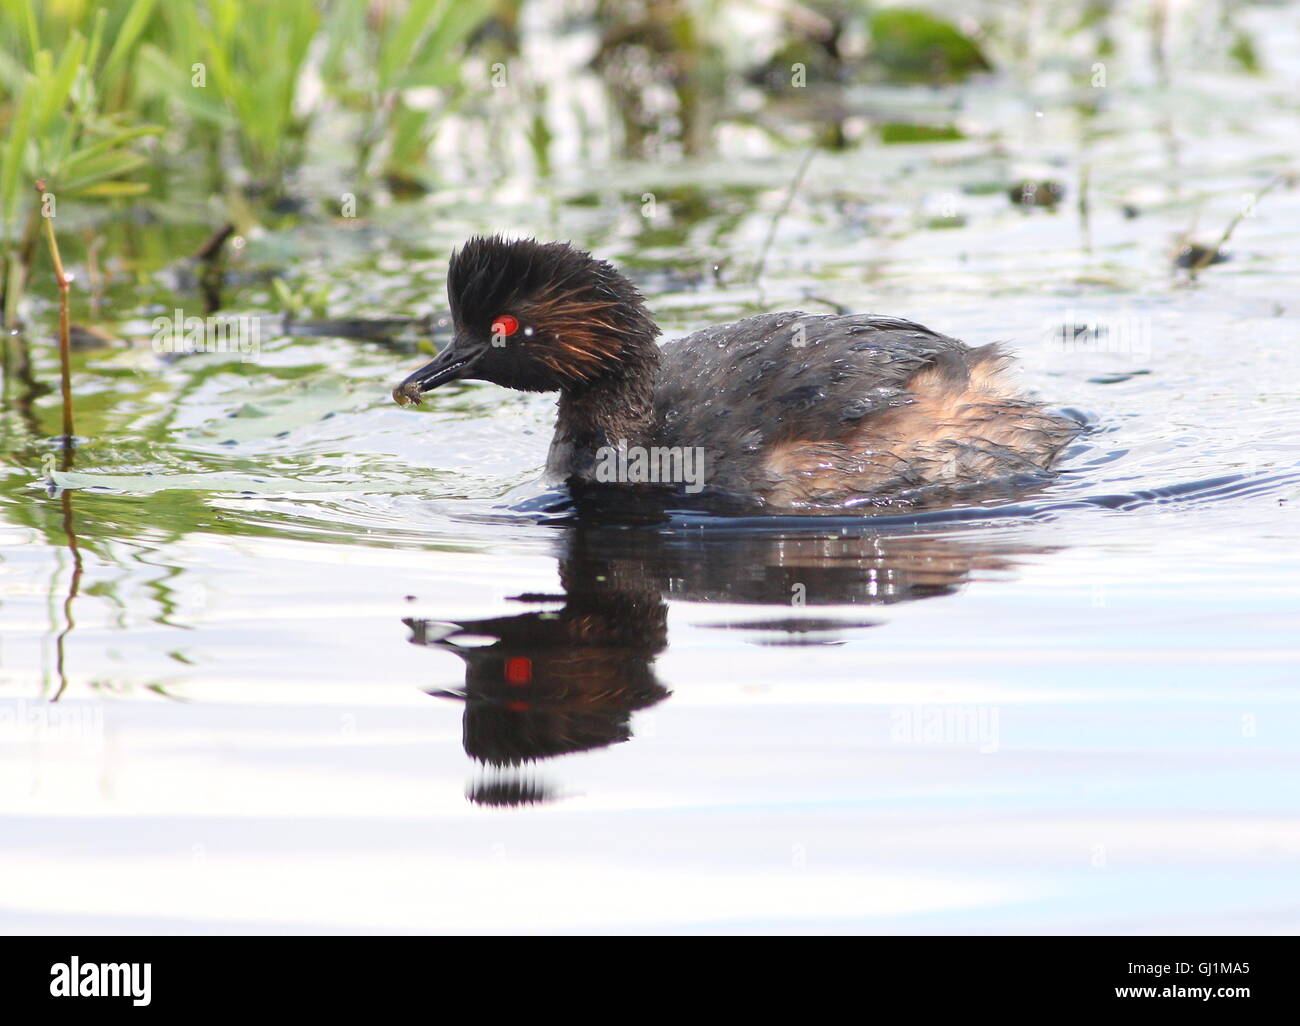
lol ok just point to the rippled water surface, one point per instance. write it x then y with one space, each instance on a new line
322 663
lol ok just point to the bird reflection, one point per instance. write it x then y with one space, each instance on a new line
567 675
554 681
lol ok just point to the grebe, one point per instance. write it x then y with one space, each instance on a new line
790 412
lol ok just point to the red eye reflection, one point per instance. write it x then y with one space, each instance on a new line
519 670
505 325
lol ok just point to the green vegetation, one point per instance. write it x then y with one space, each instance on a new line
906 132
190 115
86 90
63 125
914 46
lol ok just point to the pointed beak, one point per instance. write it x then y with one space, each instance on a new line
448 365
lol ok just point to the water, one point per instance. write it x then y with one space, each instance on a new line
322 663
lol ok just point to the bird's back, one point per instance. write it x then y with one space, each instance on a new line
804 411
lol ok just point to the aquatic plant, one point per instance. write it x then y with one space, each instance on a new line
237 68
83 86
61 124
912 45
377 56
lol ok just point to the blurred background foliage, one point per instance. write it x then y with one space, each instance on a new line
111 101
214 112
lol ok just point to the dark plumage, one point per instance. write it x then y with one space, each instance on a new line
788 411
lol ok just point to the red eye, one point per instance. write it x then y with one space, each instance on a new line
505 325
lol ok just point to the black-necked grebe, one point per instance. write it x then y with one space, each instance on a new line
789 411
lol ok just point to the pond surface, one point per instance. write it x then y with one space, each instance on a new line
278 655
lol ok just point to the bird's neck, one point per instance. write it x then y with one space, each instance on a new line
614 410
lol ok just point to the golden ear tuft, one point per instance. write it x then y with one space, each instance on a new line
583 340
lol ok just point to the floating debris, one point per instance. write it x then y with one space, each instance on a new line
1029 193
1194 256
